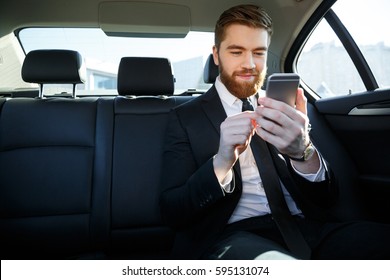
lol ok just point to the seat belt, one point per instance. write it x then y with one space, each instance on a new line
280 212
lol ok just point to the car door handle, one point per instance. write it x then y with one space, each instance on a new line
375 109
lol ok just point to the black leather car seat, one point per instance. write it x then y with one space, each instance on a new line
145 86
210 71
55 168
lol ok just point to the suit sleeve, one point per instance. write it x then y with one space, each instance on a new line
188 188
323 193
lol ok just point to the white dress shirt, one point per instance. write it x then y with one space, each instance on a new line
253 201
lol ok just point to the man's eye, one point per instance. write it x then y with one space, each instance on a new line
235 53
259 53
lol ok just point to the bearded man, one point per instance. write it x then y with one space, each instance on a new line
213 191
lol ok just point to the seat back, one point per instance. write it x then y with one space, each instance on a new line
139 129
210 71
81 176
55 173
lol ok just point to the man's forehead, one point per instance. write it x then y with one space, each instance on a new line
242 36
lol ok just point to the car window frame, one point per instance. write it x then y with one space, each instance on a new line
324 11
353 50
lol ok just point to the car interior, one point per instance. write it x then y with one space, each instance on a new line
80 172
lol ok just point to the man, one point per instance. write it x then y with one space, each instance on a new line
213 192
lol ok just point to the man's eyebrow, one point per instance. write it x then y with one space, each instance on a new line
238 47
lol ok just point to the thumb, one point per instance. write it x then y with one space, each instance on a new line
301 101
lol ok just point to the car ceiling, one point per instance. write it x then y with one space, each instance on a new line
16 14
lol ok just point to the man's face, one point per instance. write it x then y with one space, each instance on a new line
242 58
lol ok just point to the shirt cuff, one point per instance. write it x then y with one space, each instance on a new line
227 183
314 177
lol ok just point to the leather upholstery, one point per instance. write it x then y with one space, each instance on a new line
145 76
53 67
54 177
139 129
79 178
211 70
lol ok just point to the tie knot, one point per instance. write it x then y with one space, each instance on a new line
246 105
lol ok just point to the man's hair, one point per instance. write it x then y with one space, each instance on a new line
249 15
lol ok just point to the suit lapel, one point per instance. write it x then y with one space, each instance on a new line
212 107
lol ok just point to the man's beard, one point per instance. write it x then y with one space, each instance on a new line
242 89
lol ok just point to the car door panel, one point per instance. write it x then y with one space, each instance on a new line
361 125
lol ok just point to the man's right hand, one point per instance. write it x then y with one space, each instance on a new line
236 134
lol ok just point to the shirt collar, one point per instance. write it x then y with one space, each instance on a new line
223 92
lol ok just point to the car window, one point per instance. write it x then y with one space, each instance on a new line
102 55
325 65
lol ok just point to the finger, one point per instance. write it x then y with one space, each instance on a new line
241 126
270 126
242 119
242 115
276 105
236 131
269 137
268 117
282 143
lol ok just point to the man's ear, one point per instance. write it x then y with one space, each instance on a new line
215 55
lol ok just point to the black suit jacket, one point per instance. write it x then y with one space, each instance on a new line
191 200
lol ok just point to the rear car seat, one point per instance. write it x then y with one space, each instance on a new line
79 178
55 167
211 70
145 87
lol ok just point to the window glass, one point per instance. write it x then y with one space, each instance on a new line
367 23
102 55
324 64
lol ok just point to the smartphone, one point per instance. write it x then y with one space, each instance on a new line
283 87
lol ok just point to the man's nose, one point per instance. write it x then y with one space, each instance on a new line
248 62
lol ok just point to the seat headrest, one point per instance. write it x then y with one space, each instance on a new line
145 76
211 70
53 67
